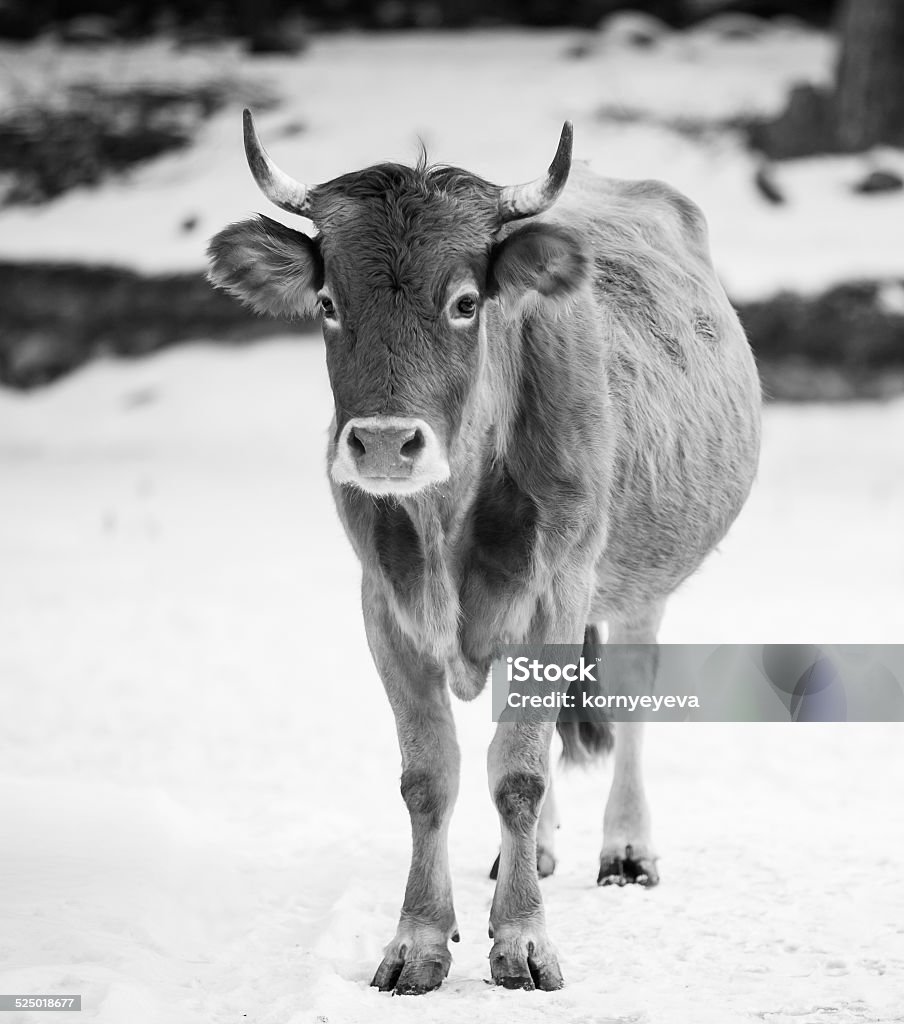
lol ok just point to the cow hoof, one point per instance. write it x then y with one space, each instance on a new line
628 869
514 964
407 972
546 864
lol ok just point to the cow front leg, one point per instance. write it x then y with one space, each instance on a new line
546 836
417 959
628 855
518 767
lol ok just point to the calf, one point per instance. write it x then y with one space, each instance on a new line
546 416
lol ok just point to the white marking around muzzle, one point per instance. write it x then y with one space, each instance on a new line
429 466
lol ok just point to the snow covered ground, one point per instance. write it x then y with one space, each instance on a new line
199 813
493 102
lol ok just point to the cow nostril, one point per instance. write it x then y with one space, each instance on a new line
356 444
413 445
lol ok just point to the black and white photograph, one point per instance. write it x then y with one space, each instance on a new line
452 511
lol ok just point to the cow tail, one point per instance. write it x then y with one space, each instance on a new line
586 735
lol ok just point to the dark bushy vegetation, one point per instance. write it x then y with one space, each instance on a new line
105 309
255 18
850 325
847 342
92 132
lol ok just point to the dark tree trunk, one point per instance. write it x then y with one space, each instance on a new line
869 97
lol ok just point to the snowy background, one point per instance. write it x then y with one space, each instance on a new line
491 101
199 812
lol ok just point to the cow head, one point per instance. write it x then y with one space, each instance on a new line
403 269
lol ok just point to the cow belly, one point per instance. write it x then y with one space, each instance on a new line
683 470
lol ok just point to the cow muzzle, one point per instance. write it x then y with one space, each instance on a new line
389 455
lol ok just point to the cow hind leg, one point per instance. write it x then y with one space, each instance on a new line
546 833
628 855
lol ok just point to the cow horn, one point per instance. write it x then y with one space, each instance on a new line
283 191
517 201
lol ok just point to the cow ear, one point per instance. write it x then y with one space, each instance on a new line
541 258
268 266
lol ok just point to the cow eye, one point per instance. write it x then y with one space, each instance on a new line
327 307
465 308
